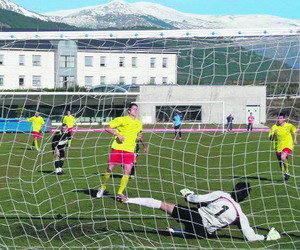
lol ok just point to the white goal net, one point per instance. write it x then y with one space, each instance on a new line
196 91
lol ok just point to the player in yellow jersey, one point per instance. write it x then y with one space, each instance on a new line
126 130
70 121
284 136
37 123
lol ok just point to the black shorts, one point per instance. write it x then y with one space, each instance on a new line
177 127
62 153
191 219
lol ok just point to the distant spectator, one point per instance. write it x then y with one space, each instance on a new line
250 122
229 119
177 125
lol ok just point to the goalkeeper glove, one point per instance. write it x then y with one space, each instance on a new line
273 234
185 192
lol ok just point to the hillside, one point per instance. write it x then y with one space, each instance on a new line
12 20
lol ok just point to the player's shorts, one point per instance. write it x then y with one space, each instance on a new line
191 219
60 153
71 131
285 150
121 157
36 135
177 127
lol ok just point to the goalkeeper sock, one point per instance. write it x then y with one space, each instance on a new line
146 202
104 180
69 143
123 184
61 163
36 144
57 164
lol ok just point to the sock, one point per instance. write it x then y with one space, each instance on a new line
146 202
286 166
123 184
105 178
36 144
57 164
61 163
282 166
69 143
132 172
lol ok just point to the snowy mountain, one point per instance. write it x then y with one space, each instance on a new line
119 14
9 5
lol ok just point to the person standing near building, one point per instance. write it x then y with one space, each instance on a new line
250 122
229 119
37 123
177 125
70 121
284 136
126 130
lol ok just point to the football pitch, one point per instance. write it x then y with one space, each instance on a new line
41 210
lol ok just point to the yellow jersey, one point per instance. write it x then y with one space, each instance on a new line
129 128
284 137
69 120
37 122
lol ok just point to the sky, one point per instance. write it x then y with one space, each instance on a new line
282 8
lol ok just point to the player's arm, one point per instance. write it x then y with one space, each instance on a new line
111 129
247 230
272 133
294 134
141 139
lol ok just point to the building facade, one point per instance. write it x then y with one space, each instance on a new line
64 64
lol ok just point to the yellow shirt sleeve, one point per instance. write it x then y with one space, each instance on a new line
116 122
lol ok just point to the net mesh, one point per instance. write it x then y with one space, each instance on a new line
96 79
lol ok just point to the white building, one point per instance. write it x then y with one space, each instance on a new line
65 64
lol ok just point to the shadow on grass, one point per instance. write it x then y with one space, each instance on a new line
255 178
46 171
112 175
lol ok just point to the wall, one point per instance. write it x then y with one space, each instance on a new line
235 99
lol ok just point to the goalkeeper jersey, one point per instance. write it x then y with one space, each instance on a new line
69 120
37 123
129 128
284 138
220 210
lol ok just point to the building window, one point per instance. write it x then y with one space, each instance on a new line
1 59
67 62
1 80
67 81
102 80
122 80
165 62
21 60
152 80
122 62
134 62
164 80
21 81
134 80
88 61
88 81
152 62
102 61
36 60
36 81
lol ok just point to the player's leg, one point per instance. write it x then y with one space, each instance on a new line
70 138
58 161
124 180
36 136
285 164
179 132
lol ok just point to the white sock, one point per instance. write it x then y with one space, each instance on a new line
147 202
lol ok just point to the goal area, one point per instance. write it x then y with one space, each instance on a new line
213 80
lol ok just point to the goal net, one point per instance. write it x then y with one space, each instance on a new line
212 80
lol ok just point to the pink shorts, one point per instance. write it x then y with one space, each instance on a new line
71 131
121 157
285 150
36 135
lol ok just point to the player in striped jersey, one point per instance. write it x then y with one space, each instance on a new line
284 136
215 211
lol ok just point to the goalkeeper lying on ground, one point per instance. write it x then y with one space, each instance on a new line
215 211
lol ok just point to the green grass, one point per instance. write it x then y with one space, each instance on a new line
40 209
